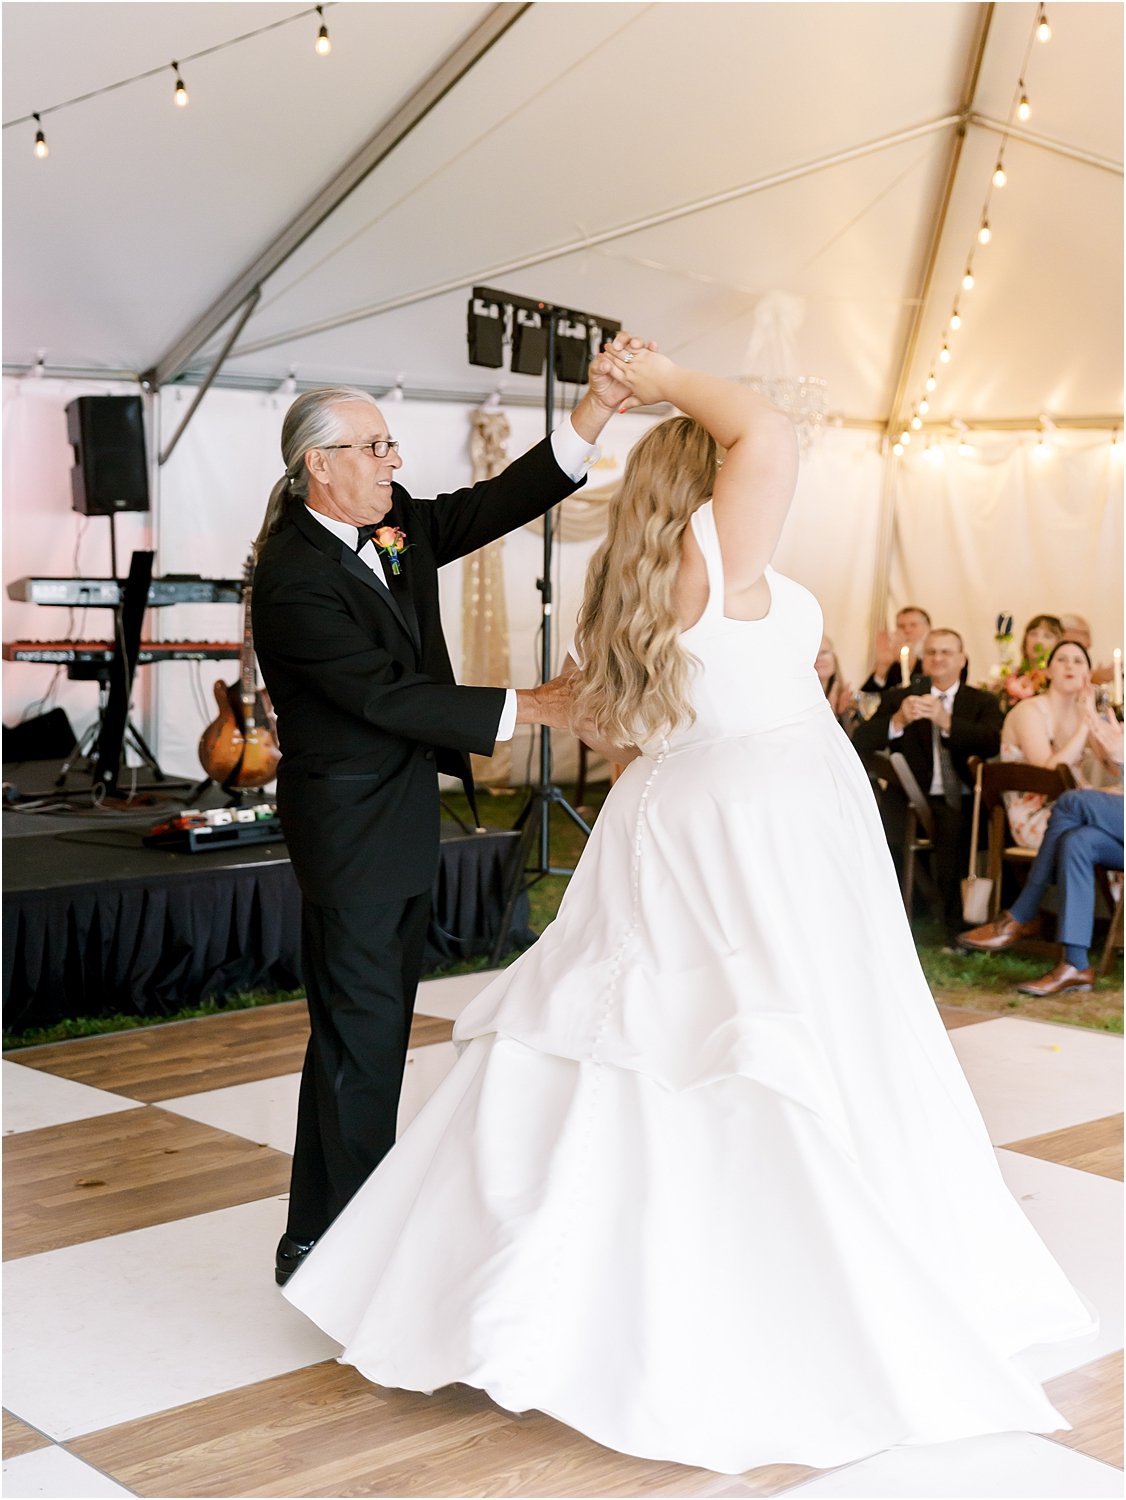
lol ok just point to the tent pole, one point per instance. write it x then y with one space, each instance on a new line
1047 143
605 236
205 383
444 78
911 342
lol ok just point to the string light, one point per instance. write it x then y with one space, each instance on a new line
40 148
905 437
944 354
180 93
322 46
931 381
955 321
897 449
999 178
967 450
1024 109
984 234
916 422
924 406
1043 30
968 279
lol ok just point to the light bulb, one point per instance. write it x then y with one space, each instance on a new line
916 423
999 178
1044 31
944 354
322 45
1024 109
955 321
905 437
180 95
924 406
40 141
897 449
968 280
966 449
931 382
984 234
1041 451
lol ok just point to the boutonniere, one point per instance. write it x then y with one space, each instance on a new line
392 542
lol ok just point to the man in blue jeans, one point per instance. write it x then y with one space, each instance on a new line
1085 830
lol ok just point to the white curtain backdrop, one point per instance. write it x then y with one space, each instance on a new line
1004 531
973 537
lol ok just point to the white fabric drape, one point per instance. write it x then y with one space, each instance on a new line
1005 531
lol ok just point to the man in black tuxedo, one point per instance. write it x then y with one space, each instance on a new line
349 641
937 723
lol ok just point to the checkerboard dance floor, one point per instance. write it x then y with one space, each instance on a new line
148 1352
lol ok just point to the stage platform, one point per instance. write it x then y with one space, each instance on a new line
96 923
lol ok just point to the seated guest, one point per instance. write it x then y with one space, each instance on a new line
838 692
1041 635
911 626
1053 729
1085 830
937 723
1076 628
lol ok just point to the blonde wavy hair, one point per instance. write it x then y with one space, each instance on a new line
634 676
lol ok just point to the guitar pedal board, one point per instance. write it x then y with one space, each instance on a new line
195 830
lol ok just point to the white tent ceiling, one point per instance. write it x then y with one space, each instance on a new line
530 173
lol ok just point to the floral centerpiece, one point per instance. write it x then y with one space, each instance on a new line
1015 676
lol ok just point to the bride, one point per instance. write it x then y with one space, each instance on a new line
696 1187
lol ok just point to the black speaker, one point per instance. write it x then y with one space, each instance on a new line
110 470
47 737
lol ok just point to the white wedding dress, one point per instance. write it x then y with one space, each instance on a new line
707 1182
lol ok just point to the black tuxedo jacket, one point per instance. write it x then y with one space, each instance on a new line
893 679
361 681
975 729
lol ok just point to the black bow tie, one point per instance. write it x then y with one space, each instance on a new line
365 534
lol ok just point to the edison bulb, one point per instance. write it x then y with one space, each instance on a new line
916 423
322 46
1024 109
999 178
924 407
955 321
944 354
41 148
984 234
931 382
1044 31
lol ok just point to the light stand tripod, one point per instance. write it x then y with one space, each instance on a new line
533 822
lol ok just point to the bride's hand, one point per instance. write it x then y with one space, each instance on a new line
603 378
644 373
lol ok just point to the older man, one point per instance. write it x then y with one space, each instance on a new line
349 640
937 722
911 626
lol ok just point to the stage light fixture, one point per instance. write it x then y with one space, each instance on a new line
572 350
486 333
529 342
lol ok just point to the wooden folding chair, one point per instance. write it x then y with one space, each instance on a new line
890 768
1114 934
997 778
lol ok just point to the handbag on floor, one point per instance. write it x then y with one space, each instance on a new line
976 889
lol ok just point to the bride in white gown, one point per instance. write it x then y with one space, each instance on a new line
706 1182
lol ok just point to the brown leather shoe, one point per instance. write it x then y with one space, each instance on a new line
1063 977
1000 934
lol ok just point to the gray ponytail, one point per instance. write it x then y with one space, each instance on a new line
311 422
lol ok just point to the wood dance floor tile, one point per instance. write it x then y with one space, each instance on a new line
82 1181
1094 1146
152 1063
1091 1400
326 1431
952 1017
20 1438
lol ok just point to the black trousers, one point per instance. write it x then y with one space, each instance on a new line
361 967
952 829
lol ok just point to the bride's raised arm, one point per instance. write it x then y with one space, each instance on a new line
755 485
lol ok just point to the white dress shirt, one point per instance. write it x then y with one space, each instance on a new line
574 455
947 695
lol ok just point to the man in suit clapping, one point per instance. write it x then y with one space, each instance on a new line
938 723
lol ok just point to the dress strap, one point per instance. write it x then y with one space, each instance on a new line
707 537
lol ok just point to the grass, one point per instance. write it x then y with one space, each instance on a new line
983 983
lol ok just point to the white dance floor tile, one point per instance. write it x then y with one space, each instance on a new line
1078 1215
55 1473
448 997
122 1327
1009 1466
58 1474
1030 1077
34 1100
266 1111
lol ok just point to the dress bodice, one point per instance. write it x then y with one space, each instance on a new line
748 675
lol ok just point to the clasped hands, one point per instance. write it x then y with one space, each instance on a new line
922 706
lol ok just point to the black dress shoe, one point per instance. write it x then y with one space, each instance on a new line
290 1254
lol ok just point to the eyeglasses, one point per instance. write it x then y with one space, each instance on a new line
380 448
